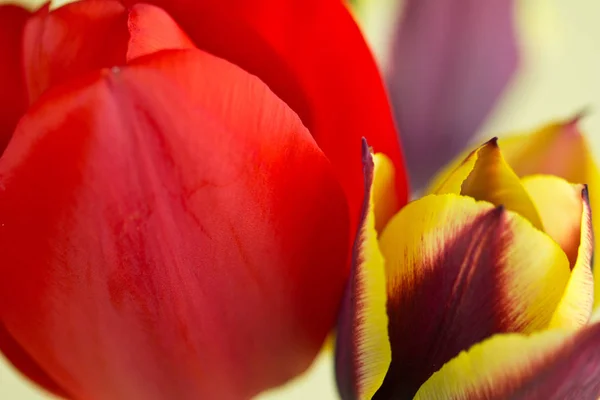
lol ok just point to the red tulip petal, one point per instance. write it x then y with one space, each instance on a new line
169 230
13 94
312 55
362 352
71 40
92 34
151 30
25 364
450 62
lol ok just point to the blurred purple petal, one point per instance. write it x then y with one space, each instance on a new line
450 61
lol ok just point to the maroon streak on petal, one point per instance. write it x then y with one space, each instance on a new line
571 372
463 271
13 93
553 365
450 62
169 230
427 335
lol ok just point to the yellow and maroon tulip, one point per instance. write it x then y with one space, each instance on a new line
471 292
559 151
177 198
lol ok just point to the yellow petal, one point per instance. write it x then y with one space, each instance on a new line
385 199
550 365
451 178
559 149
459 271
575 307
362 348
560 205
484 175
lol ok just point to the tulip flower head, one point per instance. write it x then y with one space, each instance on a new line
472 291
177 198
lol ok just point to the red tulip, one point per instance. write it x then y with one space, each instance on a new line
169 227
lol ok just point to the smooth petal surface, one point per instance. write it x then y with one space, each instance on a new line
166 228
90 34
559 204
485 175
13 95
552 365
363 352
462 271
557 148
450 62
385 197
560 149
312 55
575 307
151 29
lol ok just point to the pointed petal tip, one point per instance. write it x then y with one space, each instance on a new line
584 112
492 142
368 163
585 195
366 150
571 125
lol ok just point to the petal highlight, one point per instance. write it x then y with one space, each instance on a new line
362 348
165 233
464 271
551 365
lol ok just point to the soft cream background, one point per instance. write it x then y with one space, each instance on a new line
560 75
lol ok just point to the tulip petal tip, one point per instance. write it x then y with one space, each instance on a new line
367 160
584 112
585 193
492 142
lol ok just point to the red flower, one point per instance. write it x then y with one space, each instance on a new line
169 227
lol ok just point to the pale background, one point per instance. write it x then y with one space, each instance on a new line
559 76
